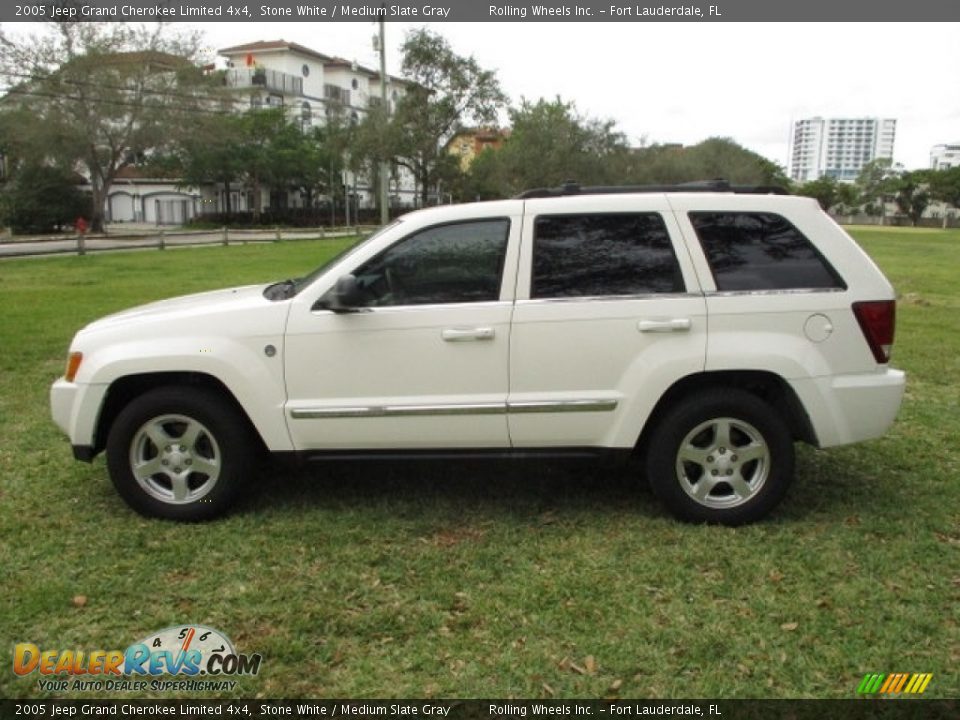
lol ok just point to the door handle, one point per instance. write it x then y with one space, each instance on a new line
467 334
665 325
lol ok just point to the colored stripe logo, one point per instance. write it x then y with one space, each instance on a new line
894 683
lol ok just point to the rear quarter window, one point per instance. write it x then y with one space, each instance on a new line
761 251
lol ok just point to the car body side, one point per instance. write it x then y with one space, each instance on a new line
548 355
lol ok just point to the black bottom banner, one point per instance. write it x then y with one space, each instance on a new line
459 709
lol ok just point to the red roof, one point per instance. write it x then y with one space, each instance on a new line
260 45
328 61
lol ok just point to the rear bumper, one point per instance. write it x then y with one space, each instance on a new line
846 409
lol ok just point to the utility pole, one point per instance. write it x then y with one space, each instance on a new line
384 166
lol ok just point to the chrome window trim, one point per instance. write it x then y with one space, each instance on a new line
512 408
609 298
379 310
781 291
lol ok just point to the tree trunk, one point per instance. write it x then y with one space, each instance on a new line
424 184
98 197
228 210
257 200
101 180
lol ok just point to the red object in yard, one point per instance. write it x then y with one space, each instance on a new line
80 225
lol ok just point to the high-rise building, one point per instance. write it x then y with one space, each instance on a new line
839 147
946 156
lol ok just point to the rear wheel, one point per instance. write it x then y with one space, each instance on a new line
724 456
179 453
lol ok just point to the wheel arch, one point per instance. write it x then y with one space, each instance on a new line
126 388
768 386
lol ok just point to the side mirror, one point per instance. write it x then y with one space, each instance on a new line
344 297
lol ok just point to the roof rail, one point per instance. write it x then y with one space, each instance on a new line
719 185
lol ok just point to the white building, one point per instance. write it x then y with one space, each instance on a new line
275 73
946 156
838 147
135 197
313 86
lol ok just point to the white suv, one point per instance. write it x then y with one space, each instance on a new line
707 331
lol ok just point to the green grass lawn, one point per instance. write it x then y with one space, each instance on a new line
490 580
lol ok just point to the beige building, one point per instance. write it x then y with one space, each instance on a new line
470 142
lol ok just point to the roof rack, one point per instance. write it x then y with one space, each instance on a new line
574 188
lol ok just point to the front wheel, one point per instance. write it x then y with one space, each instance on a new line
724 456
179 453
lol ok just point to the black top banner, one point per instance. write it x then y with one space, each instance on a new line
621 11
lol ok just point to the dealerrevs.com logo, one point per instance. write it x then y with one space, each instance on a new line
200 658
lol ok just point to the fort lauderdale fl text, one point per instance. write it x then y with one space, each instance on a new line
614 11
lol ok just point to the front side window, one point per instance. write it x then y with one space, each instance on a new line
603 254
458 263
761 251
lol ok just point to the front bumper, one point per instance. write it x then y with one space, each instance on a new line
62 397
84 453
75 408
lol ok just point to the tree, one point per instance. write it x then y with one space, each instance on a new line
264 147
375 140
722 157
825 190
712 158
551 142
42 198
485 179
209 154
945 187
912 194
847 199
101 95
875 184
265 152
319 165
445 92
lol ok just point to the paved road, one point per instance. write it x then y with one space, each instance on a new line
69 245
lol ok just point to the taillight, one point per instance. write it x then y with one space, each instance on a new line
877 320
73 364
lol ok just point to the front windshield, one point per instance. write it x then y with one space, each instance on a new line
300 283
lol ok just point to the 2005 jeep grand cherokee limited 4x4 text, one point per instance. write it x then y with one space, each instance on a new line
705 327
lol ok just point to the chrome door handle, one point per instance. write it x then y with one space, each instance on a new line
665 325
466 334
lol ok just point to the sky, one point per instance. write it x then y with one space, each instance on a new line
684 82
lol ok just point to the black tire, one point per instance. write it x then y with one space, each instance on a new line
197 443
722 456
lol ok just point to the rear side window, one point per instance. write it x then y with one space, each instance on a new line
761 251
603 254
